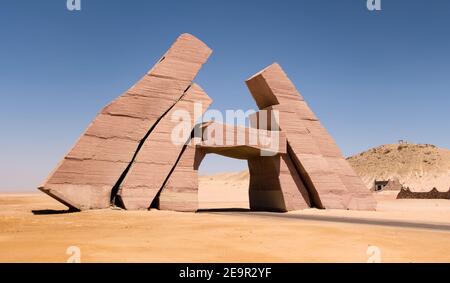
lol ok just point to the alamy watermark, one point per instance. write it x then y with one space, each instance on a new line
374 5
75 254
73 5
236 128
374 254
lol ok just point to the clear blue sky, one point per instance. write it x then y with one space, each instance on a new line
371 77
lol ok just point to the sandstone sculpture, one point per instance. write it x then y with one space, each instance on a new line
326 174
127 155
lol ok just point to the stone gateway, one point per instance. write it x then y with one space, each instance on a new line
126 156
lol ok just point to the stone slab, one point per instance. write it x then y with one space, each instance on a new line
329 180
275 185
85 177
159 154
180 193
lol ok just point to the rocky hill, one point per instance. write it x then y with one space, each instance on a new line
418 166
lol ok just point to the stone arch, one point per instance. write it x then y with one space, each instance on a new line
127 154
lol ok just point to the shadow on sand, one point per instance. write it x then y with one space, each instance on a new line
342 219
223 210
53 211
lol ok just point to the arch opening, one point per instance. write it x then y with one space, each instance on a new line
223 183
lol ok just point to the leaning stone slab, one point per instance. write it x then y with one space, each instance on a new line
275 184
331 182
159 153
180 192
85 177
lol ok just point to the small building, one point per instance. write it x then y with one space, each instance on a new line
386 185
379 185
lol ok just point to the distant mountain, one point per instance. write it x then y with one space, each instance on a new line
420 167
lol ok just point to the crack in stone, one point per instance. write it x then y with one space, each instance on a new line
115 197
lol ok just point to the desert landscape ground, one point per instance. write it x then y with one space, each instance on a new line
36 228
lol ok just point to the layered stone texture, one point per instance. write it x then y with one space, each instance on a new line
275 184
241 142
327 176
160 152
180 192
143 150
85 177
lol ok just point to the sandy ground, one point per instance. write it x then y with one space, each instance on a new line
222 236
224 190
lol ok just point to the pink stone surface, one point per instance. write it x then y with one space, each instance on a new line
158 154
332 183
241 142
275 185
128 154
180 193
85 177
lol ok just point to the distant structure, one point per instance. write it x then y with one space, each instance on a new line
386 185
126 157
379 185
433 194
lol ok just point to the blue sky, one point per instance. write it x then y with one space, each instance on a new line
371 77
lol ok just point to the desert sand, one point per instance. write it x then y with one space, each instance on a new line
35 228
